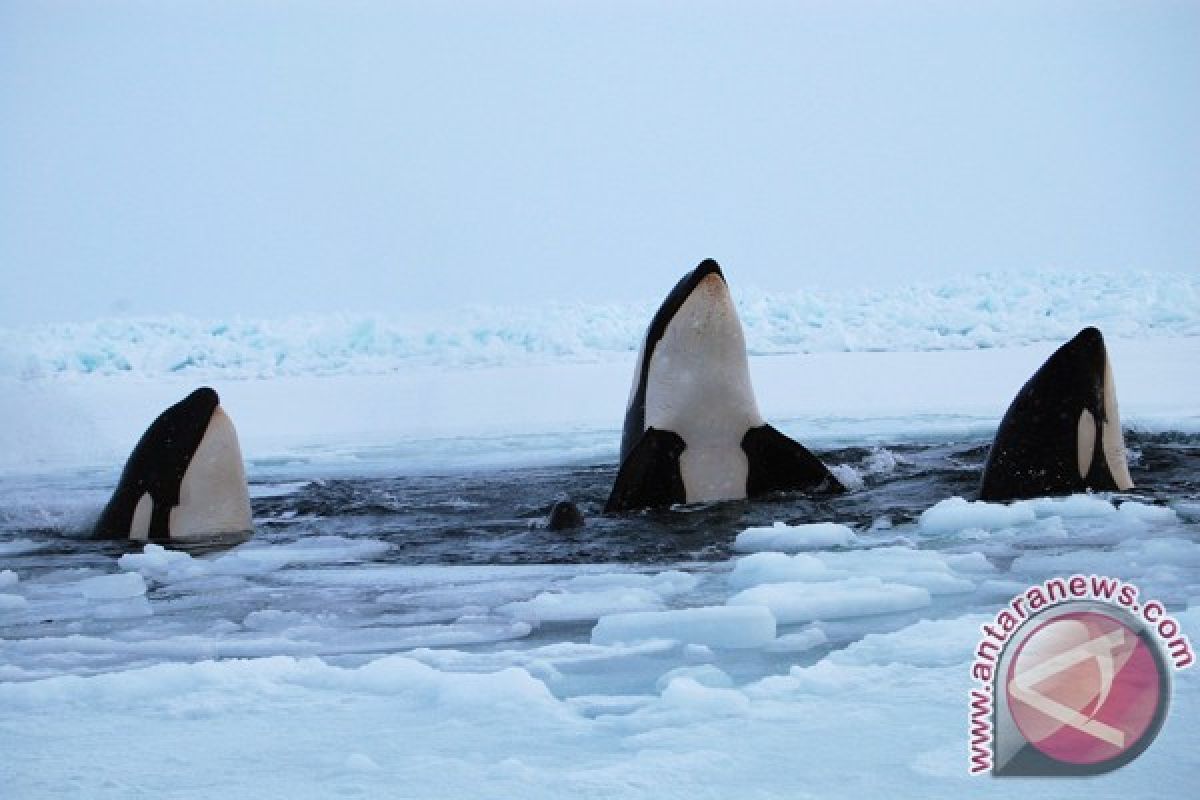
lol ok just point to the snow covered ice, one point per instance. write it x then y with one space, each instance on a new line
401 624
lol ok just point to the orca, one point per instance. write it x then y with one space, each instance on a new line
184 479
564 515
1062 433
693 432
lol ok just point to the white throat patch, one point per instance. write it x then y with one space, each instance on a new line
213 497
698 385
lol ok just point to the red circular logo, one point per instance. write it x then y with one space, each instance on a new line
1084 688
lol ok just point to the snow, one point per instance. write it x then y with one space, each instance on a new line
427 418
970 313
320 730
793 538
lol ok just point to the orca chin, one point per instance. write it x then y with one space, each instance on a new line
184 480
1062 433
693 432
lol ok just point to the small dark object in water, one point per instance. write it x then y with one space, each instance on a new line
564 515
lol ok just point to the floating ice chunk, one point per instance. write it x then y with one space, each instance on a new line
158 563
1142 512
1002 588
968 562
573 606
121 586
808 602
715 626
12 602
1164 552
123 608
705 675
928 643
799 642
924 568
257 559
794 538
688 694
17 547
595 705
956 514
936 583
665 584
927 569
769 567
8 578
1040 565
1149 561
876 560
1077 505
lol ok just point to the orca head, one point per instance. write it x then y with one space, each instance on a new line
692 371
184 479
693 432
213 496
1062 433
1082 371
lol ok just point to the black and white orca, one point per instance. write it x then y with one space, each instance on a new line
184 480
693 432
1062 433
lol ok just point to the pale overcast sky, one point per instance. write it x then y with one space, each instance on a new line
262 157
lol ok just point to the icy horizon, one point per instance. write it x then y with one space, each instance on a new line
989 310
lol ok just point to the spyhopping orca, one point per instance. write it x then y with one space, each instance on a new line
693 432
1062 433
184 479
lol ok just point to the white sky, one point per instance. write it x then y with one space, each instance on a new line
264 157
